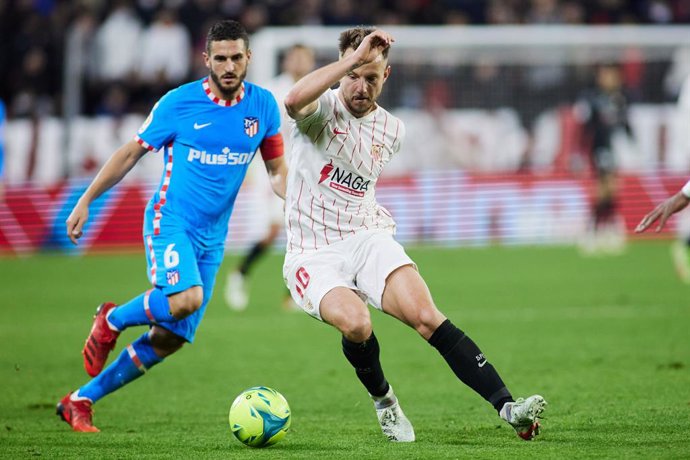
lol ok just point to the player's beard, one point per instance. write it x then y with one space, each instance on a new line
360 107
228 92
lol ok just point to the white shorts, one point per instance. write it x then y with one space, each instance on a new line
361 262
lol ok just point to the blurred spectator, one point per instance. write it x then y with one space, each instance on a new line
254 17
342 13
195 14
500 13
165 48
147 9
544 12
232 8
572 13
305 13
472 11
34 39
660 12
487 86
608 11
117 44
33 92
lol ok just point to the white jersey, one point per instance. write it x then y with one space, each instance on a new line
335 162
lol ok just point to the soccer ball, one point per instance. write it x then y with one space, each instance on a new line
259 417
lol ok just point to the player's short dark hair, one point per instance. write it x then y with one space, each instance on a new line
226 30
351 38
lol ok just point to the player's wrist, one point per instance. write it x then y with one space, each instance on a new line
685 190
353 62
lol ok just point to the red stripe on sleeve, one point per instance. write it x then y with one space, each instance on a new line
145 144
272 147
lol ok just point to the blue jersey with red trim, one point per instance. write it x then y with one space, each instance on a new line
208 144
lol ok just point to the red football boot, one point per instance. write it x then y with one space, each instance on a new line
77 413
100 342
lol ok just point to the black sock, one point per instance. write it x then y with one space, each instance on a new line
251 257
364 357
469 364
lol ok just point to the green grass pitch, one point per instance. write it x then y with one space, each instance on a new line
606 341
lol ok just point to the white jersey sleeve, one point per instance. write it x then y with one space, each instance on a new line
335 162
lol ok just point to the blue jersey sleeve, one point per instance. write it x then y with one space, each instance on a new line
159 127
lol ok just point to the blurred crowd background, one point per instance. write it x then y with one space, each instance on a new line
140 48
519 124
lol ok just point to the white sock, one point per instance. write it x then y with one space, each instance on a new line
75 397
112 328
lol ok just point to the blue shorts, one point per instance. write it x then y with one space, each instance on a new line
175 264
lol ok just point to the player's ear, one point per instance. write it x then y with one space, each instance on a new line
207 60
386 73
249 55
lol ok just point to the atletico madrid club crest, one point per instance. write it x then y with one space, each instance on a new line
251 126
173 277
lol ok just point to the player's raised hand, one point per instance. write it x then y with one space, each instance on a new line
662 212
75 222
373 46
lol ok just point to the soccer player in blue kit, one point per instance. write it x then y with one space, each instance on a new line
209 130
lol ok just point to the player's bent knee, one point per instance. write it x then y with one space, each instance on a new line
186 302
427 320
356 327
164 342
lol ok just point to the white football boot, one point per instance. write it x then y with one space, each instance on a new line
524 415
394 424
236 292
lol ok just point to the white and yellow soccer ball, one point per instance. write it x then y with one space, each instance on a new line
259 417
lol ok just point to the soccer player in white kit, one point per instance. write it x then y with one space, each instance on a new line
341 253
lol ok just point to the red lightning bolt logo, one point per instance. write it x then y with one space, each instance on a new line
326 171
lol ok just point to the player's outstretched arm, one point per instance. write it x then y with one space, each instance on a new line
301 101
662 212
117 166
277 174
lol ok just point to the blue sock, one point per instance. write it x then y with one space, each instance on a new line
150 307
133 361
